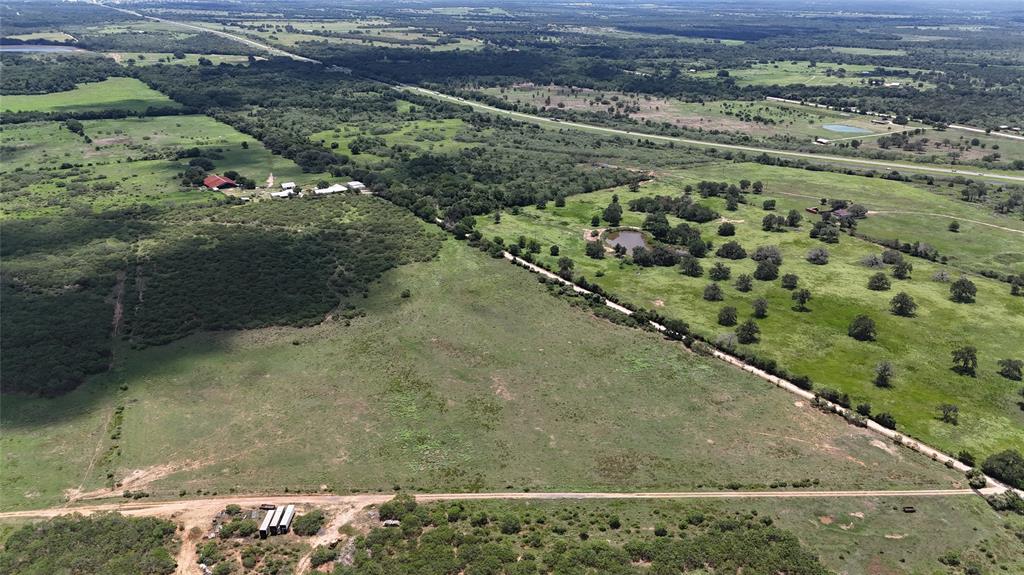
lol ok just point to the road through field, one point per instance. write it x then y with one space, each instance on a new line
215 504
701 143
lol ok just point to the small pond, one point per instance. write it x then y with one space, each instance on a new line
627 239
845 129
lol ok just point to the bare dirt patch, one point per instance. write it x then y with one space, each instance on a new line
826 520
883 446
499 388
659 303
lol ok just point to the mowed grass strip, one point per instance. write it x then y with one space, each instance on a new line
110 94
815 343
479 380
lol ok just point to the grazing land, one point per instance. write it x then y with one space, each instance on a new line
479 353
807 73
815 342
112 94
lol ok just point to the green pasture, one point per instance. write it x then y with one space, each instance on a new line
434 136
815 343
798 72
154 58
43 36
866 51
129 161
427 392
110 94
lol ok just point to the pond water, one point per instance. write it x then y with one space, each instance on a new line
626 239
845 129
38 48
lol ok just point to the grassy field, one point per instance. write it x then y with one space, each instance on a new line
815 343
854 536
49 36
111 94
371 32
154 58
800 72
477 381
866 51
128 161
435 136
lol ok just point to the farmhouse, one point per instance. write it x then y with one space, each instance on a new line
215 182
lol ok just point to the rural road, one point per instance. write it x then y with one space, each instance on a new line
690 142
215 504
229 36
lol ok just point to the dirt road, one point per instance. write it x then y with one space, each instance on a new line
883 212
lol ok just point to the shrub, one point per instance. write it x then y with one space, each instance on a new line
963 290
760 306
398 506
690 266
790 281
879 282
884 419
744 283
818 256
731 250
727 316
748 332
726 230
712 292
719 272
309 523
862 328
509 525
767 253
766 271
1011 368
891 257
321 555
902 304
883 374
1006 466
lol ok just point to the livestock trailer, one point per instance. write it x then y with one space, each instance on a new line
265 525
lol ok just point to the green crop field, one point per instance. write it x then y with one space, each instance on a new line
427 392
128 161
111 94
815 343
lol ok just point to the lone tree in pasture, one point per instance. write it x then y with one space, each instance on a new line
731 250
790 281
554 251
801 297
879 282
954 226
595 250
726 230
883 374
748 332
902 304
862 328
1011 368
963 290
690 266
965 360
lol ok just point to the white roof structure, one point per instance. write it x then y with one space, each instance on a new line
330 190
288 186
356 185
282 194
286 519
275 519
265 525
